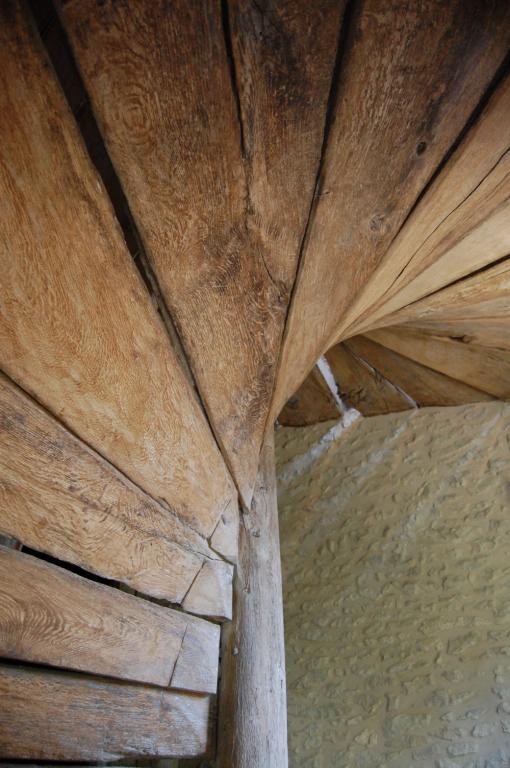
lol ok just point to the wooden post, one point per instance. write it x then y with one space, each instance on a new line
253 703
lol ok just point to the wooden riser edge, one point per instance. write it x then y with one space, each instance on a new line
61 498
63 716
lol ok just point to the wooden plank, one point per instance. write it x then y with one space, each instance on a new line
59 497
407 85
226 534
483 295
284 59
363 388
480 367
77 327
313 402
461 252
459 226
58 716
253 708
485 332
51 616
425 386
218 166
212 586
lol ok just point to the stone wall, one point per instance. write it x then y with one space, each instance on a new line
396 557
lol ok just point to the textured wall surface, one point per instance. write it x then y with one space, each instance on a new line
396 557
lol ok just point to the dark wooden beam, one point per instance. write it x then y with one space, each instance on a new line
312 403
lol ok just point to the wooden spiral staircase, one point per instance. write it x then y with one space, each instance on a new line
199 200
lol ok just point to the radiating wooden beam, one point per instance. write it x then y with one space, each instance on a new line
362 387
426 386
284 59
78 329
214 126
225 537
59 716
253 711
480 367
460 225
484 332
60 497
211 587
312 403
391 126
51 616
482 296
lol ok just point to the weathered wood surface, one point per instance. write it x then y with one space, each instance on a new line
217 152
459 226
212 586
253 711
224 539
59 497
483 368
485 332
284 58
77 327
362 387
408 82
59 716
51 616
482 296
312 403
425 386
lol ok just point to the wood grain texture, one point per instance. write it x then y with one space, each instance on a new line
51 616
58 716
459 226
312 403
482 296
212 586
425 386
77 327
59 497
485 332
362 387
480 367
225 538
204 170
284 55
253 708
409 80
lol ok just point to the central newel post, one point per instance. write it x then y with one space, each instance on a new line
253 703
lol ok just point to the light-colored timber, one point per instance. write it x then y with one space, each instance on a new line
484 332
220 190
273 179
60 497
59 716
459 226
225 538
77 327
312 403
391 125
51 616
425 386
483 368
253 711
482 296
212 586
362 387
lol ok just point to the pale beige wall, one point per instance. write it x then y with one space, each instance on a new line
396 557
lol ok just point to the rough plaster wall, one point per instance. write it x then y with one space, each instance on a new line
396 559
